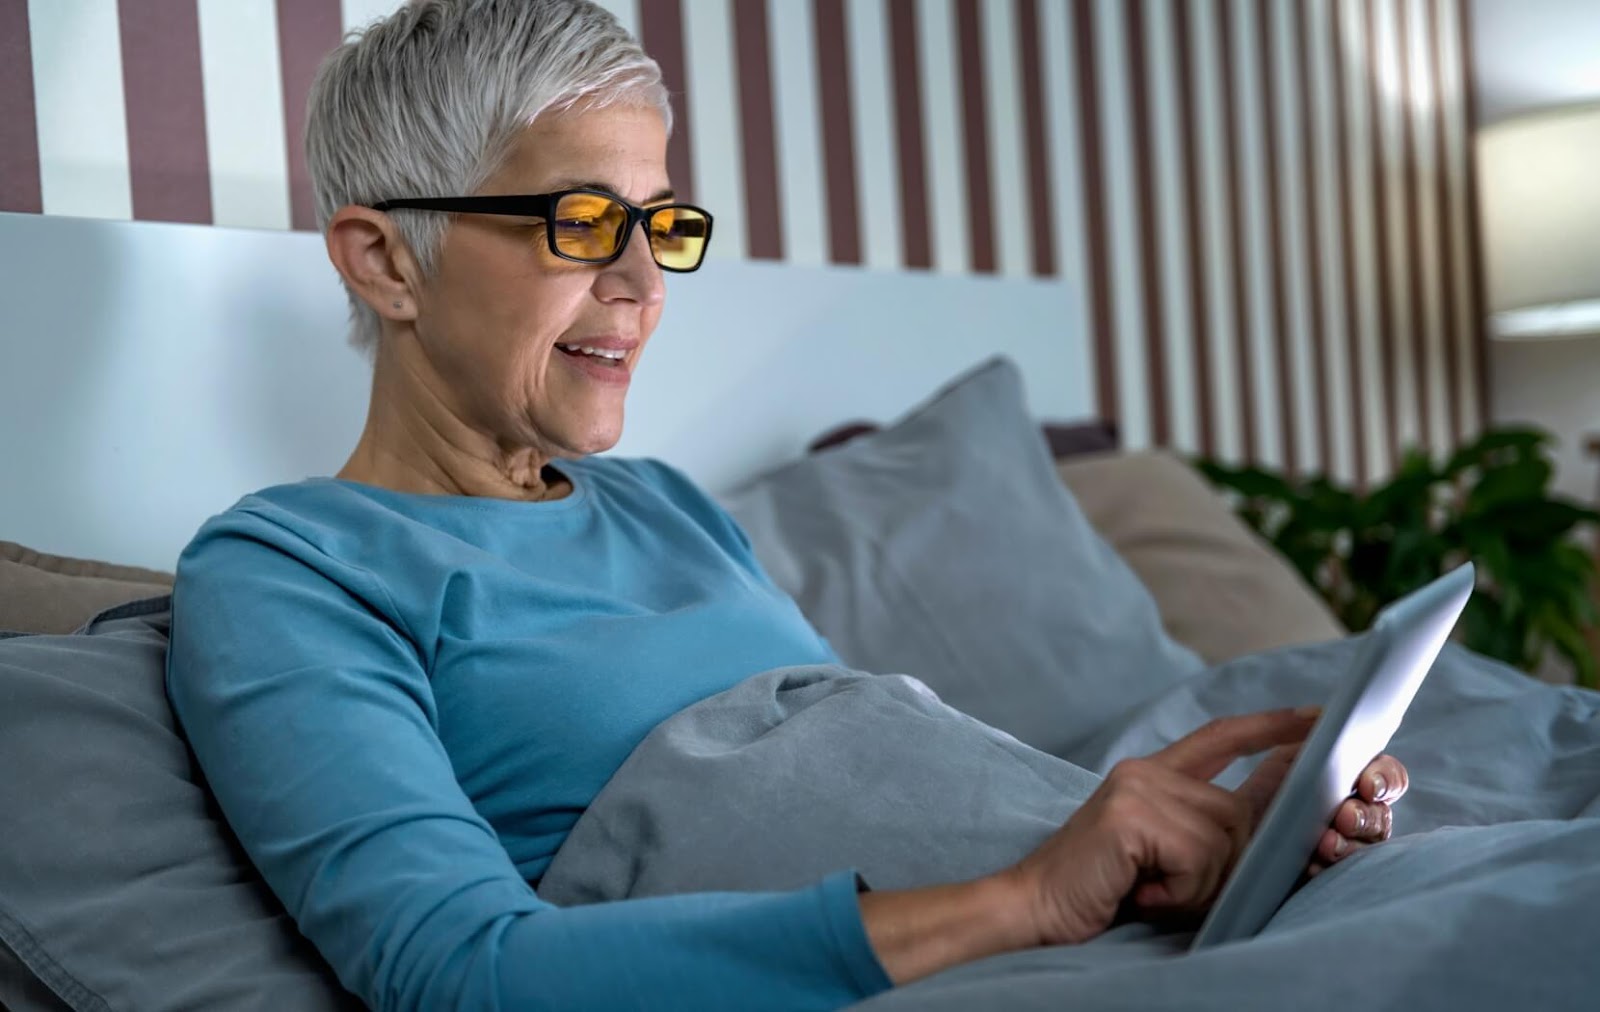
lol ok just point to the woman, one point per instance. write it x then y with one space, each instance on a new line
406 682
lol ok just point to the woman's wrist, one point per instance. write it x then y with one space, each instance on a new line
918 932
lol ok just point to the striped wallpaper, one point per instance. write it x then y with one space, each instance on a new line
1265 204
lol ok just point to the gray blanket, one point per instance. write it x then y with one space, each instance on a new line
1488 896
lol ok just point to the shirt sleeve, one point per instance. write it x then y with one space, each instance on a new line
316 727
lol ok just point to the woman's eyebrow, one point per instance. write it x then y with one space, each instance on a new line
579 184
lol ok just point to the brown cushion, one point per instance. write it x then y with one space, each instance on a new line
42 593
1222 590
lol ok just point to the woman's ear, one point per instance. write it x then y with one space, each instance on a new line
367 251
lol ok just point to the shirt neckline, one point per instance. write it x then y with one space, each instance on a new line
574 475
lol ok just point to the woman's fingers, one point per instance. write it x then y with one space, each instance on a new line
1263 783
1204 753
1363 820
1204 828
1384 779
1356 824
1333 848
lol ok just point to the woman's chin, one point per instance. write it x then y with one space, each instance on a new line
598 436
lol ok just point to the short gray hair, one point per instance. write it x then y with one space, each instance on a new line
428 102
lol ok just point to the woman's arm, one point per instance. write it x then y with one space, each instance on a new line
316 728
918 932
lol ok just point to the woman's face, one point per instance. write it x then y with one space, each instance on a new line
491 319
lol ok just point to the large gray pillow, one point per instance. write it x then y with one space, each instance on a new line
120 884
947 548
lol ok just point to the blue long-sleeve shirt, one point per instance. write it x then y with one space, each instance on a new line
404 702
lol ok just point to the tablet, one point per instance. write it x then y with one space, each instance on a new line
1355 726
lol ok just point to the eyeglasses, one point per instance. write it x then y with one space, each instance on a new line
591 226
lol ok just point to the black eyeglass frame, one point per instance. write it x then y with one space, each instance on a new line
543 206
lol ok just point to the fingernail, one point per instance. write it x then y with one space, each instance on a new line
1340 847
1378 786
1361 820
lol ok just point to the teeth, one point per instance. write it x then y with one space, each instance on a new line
601 352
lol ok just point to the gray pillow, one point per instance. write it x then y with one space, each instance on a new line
946 547
120 884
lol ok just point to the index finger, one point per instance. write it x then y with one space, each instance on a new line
1207 751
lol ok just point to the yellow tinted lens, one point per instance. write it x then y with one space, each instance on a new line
587 225
678 237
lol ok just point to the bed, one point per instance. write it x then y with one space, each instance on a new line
983 556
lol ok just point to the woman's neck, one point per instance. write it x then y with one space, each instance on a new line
415 442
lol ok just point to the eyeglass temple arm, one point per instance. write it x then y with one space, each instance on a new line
471 205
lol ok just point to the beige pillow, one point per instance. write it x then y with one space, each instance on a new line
42 593
1221 588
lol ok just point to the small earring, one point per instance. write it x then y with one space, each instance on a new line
397 305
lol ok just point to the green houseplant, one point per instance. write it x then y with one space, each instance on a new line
1489 502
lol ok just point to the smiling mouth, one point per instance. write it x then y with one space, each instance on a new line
613 359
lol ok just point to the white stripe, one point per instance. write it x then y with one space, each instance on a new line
77 87
1061 119
1117 122
872 102
1225 396
361 13
1252 148
239 66
1166 99
1008 176
802 192
627 12
1426 124
1285 106
1372 366
715 140
1336 324
1460 326
941 119
1391 107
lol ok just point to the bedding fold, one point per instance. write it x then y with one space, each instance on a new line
1489 894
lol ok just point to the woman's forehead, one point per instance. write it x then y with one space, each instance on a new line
621 148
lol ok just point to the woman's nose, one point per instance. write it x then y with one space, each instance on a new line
634 275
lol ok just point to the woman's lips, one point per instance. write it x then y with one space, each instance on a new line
597 369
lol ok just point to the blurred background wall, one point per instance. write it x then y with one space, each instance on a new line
1538 57
1261 207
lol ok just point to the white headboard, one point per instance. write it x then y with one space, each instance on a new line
151 374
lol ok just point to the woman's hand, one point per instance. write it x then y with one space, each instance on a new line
1366 818
1157 835
1157 832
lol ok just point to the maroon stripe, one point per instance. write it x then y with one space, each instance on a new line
1380 198
1347 273
1288 424
19 131
909 144
164 98
762 217
1155 331
1410 167
1450 323
1102 323
1478 328
1041 202
307 31
1199 292
838 131
1300 30
975 123
661 34
1241 294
